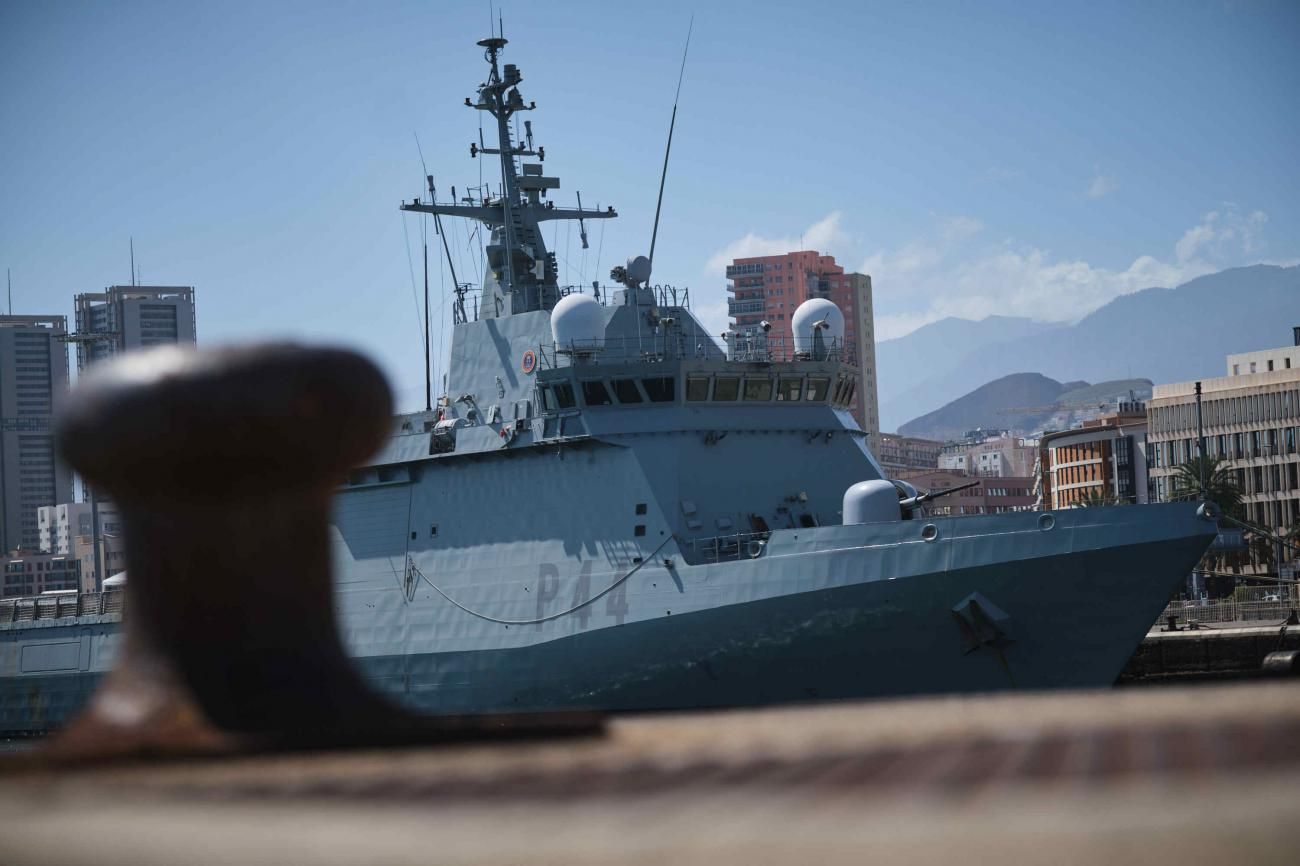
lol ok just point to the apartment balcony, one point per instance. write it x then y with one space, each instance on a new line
744 308
744 270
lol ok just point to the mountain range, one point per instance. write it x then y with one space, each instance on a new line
1023 402
1165 335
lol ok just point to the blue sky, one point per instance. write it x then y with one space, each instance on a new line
975 158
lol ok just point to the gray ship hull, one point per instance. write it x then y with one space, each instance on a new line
1073 617
872 639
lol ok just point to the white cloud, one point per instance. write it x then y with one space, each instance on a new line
955 274
956 270
825 234
1220 231
1102 185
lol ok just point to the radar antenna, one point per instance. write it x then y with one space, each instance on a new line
663 176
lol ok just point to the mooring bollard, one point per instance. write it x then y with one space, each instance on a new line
223 463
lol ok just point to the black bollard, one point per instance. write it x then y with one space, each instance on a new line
223 463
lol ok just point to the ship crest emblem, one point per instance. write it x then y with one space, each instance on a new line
529 362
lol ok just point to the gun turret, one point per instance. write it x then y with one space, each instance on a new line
922 498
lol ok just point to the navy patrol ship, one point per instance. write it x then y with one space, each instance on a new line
608 509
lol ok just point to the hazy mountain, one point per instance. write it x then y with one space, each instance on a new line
1024 402
1166 335
905 363
987 407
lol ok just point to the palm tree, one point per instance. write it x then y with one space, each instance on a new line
1220 483
1096 497
1261 552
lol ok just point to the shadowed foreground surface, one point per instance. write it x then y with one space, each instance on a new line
1185 775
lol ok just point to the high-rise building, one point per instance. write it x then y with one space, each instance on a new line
770 288
33 370
1251 419
121 318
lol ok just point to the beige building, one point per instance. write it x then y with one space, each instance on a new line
999 456
898 454
1102 462
27 574
1251 420
67 530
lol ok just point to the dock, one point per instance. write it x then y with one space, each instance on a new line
1186 775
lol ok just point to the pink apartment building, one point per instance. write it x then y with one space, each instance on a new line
771 288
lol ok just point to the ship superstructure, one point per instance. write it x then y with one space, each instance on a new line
609 509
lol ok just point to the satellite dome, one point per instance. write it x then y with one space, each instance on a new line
577 321
817 316
638 270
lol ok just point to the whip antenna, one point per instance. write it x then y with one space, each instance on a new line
663 176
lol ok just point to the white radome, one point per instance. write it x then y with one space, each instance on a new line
817 314
578 321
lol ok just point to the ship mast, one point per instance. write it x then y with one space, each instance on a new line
521 275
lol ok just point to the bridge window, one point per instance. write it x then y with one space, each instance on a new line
556 397
626 392
697 388
817 388
660 389
758 389
594 393
726 388
789 389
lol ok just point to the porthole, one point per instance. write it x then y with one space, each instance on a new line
929 532
1046 522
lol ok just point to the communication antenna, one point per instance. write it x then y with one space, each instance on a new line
663 176
132 261
9 280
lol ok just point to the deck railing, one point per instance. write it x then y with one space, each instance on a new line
1219 612
45 607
